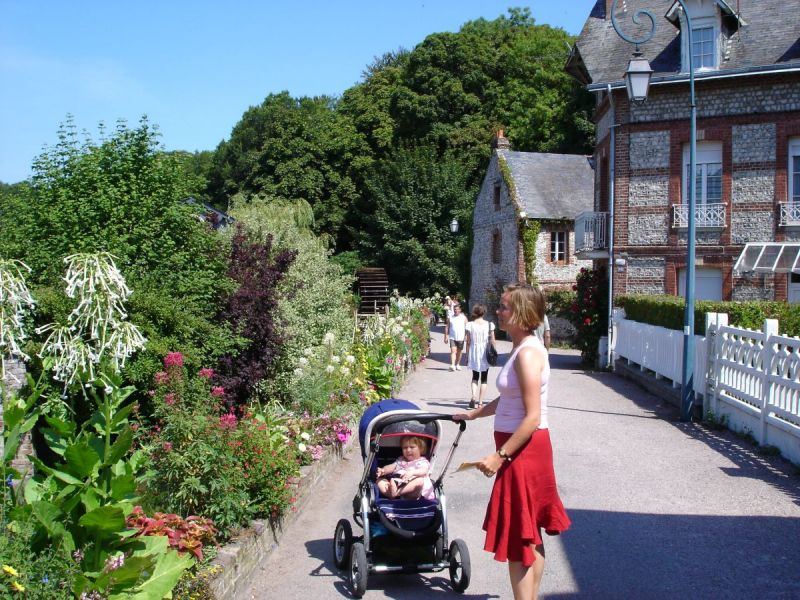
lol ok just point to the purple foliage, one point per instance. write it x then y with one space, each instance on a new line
252 311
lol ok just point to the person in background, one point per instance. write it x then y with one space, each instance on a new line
480 333
543 333
454 335
524 498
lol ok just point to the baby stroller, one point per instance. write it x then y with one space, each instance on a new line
400 535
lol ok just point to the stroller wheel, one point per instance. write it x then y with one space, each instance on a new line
459 566
342 540
359 569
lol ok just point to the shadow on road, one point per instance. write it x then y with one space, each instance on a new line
657 556
401 586
772 470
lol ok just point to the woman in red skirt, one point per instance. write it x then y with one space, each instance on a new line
524 498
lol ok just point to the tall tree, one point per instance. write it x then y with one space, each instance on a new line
415 194
293 149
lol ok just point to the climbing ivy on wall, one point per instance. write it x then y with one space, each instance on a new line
529 234
508 179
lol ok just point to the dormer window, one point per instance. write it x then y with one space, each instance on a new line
713 21
704 52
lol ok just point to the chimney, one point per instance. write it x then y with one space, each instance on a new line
500 141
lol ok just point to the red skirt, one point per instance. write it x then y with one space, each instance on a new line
524 501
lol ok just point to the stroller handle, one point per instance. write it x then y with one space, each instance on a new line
422 418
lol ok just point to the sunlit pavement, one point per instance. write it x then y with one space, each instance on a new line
660 509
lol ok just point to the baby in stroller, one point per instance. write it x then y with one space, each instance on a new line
409 476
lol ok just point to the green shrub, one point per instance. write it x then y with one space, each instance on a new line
589 311
560 302
668 312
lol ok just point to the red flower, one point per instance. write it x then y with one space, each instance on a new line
173 359
587 321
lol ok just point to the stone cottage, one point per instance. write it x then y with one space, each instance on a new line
523 221
746 57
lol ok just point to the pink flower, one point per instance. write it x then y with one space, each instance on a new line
217 391
169 399
167 446
151 393
343 436
206 373
228 421
173 359
587 321
161 378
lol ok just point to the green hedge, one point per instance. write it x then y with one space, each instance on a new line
667 311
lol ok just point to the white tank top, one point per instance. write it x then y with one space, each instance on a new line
510 409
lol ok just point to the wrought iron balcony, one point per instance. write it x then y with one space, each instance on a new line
705 215
789 213
591 235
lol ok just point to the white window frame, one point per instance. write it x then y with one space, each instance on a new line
558 246
702 24
794 170
708 156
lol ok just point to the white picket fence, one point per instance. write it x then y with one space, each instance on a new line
749 378
657 349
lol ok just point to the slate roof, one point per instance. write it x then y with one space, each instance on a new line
768 37
551 186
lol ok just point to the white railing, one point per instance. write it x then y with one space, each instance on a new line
750 379
659 350
590 231
705 215
757 384
789 213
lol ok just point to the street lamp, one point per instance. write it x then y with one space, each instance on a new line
637 79
454 225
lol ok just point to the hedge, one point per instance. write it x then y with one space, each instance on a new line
667 311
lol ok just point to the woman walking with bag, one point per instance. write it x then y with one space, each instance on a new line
479 337
524 498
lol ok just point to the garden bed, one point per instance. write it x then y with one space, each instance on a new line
237 562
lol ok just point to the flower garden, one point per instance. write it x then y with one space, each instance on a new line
134 488
177 376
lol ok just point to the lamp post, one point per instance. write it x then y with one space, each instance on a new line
638 71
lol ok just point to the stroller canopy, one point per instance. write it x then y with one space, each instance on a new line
386 410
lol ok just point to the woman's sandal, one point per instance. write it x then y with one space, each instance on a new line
472 403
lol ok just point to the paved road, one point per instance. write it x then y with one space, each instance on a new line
660 509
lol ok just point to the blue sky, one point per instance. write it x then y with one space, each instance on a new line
194 67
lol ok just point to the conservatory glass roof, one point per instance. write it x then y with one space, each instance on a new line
769 257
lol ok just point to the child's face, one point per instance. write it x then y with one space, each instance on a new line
410 450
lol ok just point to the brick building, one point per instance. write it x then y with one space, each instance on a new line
530 191
747 85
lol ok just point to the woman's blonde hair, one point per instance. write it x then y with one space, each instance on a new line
527 305
420 442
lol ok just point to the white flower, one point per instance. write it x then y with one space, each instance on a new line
308 352
301 447
303 361
335 359
305 436
350 359
298 372
345 370
328 339
329 369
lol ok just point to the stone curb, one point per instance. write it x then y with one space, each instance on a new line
238 560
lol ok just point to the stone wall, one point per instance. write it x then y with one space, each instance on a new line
487 276
13 381
721 99
753 119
